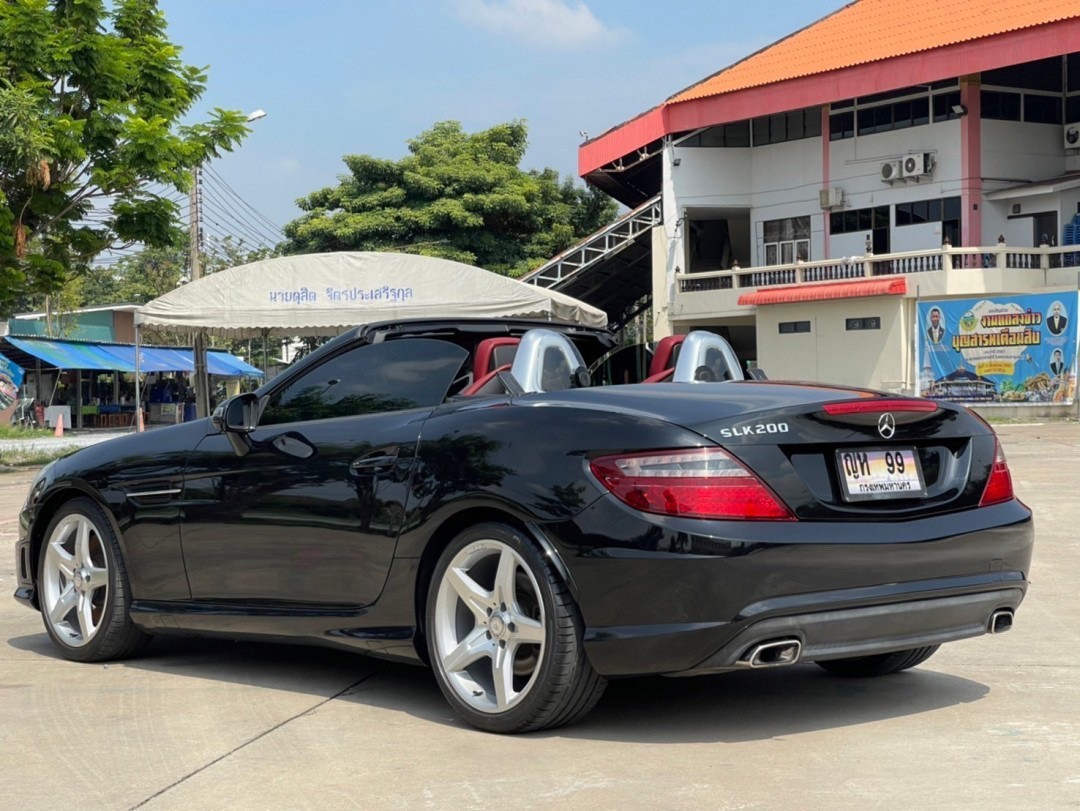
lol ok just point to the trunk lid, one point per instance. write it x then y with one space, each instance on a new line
822 457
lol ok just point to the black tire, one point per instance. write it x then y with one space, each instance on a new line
561 687
880 665
114 635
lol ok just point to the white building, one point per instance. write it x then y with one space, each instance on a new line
800 201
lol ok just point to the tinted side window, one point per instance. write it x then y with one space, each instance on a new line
391 376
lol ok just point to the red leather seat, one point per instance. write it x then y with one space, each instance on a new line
493 355
662 366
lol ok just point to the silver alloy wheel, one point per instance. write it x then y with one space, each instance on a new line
489 626
75 580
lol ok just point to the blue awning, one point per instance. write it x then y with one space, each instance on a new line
121 357
71 355
226 365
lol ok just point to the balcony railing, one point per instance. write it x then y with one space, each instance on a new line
864 267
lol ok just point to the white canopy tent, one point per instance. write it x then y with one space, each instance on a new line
325 293
322 293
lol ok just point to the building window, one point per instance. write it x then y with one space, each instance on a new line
922 212
1000 106
793 126
858 219
787 240
841 125
791 327
1030 107
870 322
1072 108
1042 109
901 115
944 106
1043 74
726 135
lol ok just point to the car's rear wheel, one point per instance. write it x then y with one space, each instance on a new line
880 665
82 586
505 636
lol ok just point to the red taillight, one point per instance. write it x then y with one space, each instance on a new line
692 483
878 405
999 486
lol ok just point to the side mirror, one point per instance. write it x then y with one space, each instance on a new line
236 418
237 415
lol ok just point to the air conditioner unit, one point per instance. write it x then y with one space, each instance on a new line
831 198
917 165
890 171
1072 136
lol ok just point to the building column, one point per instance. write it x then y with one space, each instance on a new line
667 250
826 145
971 161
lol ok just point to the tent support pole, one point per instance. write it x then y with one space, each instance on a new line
202 379
78 400
266 365
138 384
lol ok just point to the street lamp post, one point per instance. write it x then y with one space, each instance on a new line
202 377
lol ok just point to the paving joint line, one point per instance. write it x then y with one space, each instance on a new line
252 740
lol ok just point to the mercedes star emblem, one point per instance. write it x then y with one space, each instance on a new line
886 426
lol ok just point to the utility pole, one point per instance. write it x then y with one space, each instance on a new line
202 379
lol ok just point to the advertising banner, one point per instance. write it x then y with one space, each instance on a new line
11 377
1012 349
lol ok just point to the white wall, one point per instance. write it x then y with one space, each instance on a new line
829 353
712 176
855 165
1014 152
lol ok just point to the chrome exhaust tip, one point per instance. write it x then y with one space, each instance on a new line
1000 621
773 654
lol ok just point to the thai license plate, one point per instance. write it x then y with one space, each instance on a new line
871 475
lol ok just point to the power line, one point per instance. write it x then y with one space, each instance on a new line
273 235
234 226
224 213
273 226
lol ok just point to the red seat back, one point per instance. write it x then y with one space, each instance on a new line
664 357
488 357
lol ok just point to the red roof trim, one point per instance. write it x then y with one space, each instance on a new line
622 140
826 292
1012 48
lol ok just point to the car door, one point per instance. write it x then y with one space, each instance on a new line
311 514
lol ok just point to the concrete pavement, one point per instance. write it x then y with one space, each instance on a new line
987 723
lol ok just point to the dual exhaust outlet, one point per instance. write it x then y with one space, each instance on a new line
781 652
777 653
1000 621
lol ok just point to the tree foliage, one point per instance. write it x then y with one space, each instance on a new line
91 98
456 195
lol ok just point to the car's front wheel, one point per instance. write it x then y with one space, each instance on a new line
881 664
82 586
505 636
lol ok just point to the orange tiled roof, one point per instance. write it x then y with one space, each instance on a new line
874 30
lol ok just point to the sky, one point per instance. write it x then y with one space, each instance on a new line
339 77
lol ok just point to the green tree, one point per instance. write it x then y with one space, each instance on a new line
456 195
91 96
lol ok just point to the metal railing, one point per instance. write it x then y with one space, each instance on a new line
863 267
599 246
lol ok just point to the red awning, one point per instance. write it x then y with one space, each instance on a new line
824 292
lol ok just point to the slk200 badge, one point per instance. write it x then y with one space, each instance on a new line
753 430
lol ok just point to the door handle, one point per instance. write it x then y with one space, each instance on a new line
376 460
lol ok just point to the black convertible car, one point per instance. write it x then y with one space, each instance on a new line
455 493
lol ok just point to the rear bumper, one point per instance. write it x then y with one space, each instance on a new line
871 630
833 625
677 596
